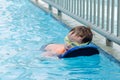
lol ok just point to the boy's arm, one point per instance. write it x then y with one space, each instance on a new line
55 48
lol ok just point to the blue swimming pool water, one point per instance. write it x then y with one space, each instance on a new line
24 28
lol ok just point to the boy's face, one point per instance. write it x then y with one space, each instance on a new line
72 40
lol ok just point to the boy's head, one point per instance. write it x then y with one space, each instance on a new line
77 36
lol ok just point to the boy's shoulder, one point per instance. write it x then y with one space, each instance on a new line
55 48
55 45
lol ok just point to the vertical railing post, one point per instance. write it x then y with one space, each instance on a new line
98 13
80 8
108 15
87 9
69 5
118 19
112 17
36 0
50 8
109 43
83 8
94 12
91 9
59 13
103 13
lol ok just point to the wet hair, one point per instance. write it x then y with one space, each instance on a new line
84 32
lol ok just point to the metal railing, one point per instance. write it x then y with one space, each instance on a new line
103 16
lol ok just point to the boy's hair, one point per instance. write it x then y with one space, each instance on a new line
84 32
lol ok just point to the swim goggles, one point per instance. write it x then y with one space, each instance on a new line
72 44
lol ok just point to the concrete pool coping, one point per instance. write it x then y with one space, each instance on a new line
98 39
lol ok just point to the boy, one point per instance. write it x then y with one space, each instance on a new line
78 36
